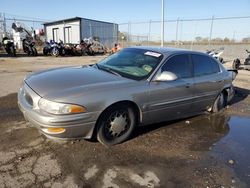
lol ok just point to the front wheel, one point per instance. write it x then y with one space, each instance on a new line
219 103
116 125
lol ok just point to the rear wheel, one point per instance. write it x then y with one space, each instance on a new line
219 103
116 125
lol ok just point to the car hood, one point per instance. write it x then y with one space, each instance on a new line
57 82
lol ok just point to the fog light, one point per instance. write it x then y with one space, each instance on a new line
56 130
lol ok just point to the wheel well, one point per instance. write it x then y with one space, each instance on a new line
128 103
224 91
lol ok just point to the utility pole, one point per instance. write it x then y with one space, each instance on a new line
211 30
162 23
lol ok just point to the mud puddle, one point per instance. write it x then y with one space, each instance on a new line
234 147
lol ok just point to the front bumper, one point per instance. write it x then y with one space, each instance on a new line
75 125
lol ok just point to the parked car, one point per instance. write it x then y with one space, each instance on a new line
133 87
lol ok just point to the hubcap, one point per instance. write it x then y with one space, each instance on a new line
117 124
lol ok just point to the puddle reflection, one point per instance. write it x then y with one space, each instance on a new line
236 146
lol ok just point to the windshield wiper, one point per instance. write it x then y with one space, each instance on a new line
108 70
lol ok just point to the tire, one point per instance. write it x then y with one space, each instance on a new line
34 51
13 51
221 60
45 51
247 61
115 125
63 52
236 64
30 52
219 103
55 52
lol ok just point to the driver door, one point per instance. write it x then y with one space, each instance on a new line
172 99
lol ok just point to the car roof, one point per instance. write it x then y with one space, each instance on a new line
166 50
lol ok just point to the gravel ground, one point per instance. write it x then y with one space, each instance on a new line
204 151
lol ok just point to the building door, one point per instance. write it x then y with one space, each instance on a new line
55 34
67 34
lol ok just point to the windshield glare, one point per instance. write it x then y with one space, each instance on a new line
132 63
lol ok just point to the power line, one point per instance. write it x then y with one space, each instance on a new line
194 19
31 18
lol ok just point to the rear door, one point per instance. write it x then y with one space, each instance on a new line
208 81
172 99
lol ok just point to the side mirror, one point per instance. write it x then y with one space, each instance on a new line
165 76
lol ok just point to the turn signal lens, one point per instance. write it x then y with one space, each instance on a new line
77 109
55 130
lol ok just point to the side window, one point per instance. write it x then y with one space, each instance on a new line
179 65
204 65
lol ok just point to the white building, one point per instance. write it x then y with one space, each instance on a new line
73 30
18 38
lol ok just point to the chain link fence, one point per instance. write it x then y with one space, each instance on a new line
189 33
203 31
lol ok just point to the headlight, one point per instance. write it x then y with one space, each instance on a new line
60 108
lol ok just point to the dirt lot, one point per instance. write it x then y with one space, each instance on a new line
204 151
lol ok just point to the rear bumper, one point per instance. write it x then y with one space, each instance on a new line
75 126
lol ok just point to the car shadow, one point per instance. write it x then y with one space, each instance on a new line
141 130
240 95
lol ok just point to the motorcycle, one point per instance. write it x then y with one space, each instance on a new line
216 54
9 46
237 64
53 48
29 47
80 49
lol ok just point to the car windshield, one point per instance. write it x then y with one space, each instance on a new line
131 63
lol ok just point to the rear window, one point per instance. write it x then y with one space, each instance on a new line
204 65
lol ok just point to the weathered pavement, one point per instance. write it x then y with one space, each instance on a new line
203 151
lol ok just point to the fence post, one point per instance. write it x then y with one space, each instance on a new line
90 30
192 43
176 32
211 31
128 37
149 31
